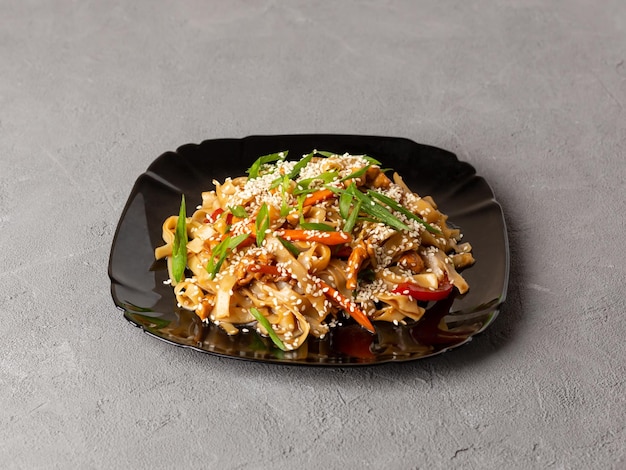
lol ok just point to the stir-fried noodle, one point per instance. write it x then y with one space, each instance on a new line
296 245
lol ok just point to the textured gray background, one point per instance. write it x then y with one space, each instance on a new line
531 93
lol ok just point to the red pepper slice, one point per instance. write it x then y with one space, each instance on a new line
422 293
213 217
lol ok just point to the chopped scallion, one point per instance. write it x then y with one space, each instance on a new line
179 246
326 177
265 323
356 174
372 160
372 208
293 249
284 206
262 223
381 213
238 211
403 210
221 251
351 219
299 166
345 201
317 226
253 171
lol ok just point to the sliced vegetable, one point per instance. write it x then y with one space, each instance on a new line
284 205
179 246
347 305
422 293
222 250
295 171
324 153
317 226
213 217
403 210
268 327
345 201
351 220
264 269
251 240
303 185
253 171
293 249
357 174
293 174
327 238
318 196
378 212
372 160
262 223
238 211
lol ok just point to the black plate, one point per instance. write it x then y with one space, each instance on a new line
137 280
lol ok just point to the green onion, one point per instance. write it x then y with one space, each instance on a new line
299 191
403 210
253 171
372 208
335 189
238 211
351 220
301 199
326 177
293 249
221 251
299 166
379 212
372 160
317 226
179 246
268 327
345 201
324 153
262 223
284 206
293 174
356 174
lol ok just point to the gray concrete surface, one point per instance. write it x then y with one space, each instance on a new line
531 93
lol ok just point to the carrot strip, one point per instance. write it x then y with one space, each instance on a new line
265 269
318 196
358 255
349 307
327 238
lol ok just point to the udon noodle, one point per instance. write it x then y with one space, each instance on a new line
296 246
